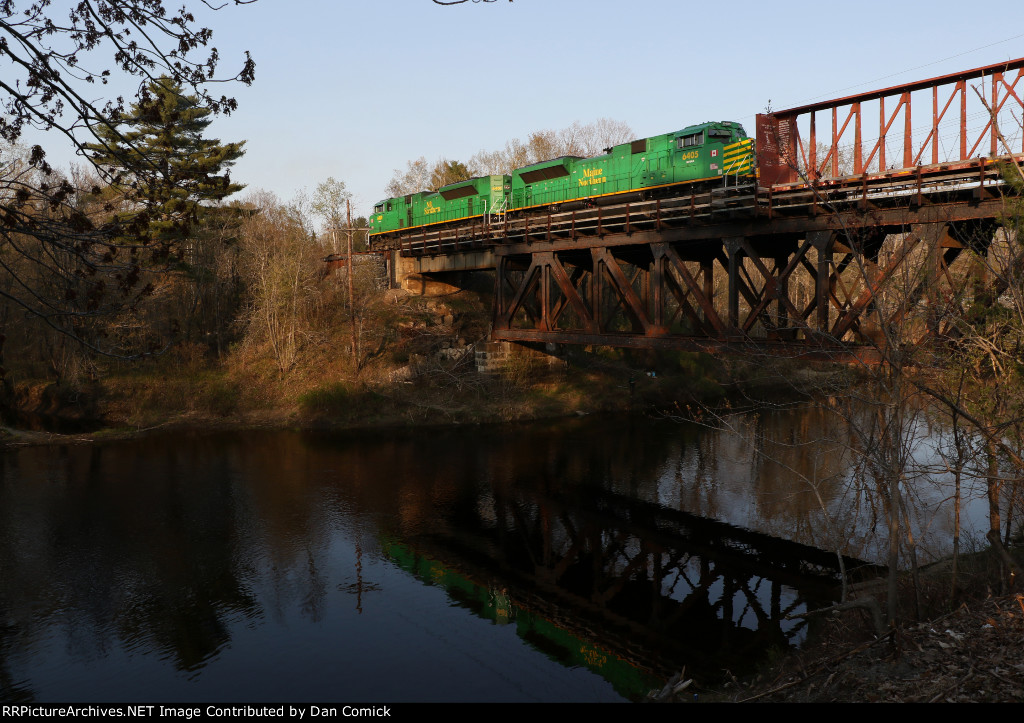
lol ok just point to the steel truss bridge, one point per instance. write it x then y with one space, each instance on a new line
849 230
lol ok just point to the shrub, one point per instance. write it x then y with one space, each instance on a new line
333 400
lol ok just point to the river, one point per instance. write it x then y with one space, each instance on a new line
578 560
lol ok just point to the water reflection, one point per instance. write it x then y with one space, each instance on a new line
568 561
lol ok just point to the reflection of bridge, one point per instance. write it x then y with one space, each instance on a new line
538 622
663 587
803 258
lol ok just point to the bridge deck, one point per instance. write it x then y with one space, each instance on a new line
945 192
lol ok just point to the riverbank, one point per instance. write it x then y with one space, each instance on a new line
165 394
968 655
417 365
964 647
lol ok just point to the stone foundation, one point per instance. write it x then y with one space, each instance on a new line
492 357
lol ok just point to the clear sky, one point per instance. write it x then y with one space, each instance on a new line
355 88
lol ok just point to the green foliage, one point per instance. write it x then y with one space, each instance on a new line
1012 176
329 202
447 172
159 159
332 400
223 397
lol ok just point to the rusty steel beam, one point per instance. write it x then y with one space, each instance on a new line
648 281
785 158
531 280
699 293
964 75
681 296
849 220
771 290
630 302
876 280
567 284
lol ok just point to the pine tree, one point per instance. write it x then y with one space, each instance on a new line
446 172
161 163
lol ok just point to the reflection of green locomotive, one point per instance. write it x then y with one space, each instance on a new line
568 647
660 164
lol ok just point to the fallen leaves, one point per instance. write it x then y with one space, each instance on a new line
973 656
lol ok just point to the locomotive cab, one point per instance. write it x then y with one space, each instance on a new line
376 221
393 214
386 216
710 150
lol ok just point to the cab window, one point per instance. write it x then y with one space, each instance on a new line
694 139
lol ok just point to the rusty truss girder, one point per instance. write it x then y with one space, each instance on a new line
801 292
944 121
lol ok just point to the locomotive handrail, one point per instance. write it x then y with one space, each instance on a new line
497 211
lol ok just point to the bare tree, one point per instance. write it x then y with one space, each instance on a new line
502 162
415 178
328 203
53 63
591 139
578 139
420 175
281 268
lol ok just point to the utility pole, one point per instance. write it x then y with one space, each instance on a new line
351 292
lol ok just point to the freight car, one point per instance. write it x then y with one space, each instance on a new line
661 165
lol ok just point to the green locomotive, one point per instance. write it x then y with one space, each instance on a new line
698 154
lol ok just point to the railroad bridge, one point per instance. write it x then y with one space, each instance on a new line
851 229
